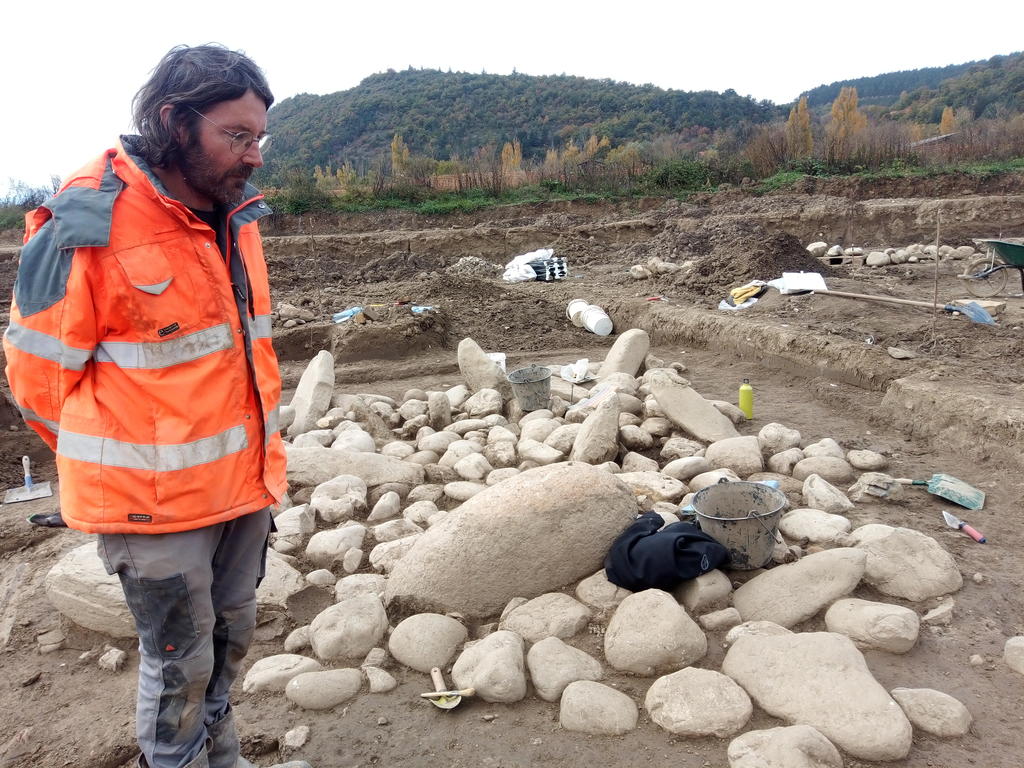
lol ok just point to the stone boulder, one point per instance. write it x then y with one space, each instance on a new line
654 485
598 438
821 679
705 593
650 633
795 746
698 702
479 371
272 673
553 665
552 615
813 525
348 629
832 469
426 640
325 548
324 689
494 666
820 494
280 582
78 586
685 408
934 712
340 498
867 461
789 594
776 438
312 466
599 593
589 707
1013 654
905 563
627 353
740 454
530 534
313 393
878 626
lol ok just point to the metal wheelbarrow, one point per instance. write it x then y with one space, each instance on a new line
986 276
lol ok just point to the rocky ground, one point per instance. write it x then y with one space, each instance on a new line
820 365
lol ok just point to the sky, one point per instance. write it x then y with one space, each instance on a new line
71 68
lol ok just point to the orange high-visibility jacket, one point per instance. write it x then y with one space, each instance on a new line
143 357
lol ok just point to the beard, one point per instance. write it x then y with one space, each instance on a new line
223 187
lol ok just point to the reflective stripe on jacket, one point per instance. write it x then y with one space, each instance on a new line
143 358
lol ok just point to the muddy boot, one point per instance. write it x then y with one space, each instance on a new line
223 744
199 761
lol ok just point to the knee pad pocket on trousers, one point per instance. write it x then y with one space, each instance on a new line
164 615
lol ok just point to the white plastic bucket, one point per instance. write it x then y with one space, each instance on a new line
596 320
575 311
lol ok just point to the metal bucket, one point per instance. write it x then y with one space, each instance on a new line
742 517
531 386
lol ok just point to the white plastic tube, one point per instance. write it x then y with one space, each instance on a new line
596 320
575 310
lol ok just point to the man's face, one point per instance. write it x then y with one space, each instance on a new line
207 162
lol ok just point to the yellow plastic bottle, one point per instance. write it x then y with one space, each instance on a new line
746 399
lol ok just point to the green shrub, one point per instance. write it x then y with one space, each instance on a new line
12 217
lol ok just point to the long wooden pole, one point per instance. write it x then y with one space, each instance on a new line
935 294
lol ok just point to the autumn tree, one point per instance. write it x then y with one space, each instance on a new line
511 158
799 141
399 155
847 122
948 122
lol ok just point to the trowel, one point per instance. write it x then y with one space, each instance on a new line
955 522
29 490
441 698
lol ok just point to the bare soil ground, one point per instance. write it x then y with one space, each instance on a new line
818 364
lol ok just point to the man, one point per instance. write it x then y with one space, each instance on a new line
139 349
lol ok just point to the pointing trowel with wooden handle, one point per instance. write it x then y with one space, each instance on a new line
955 522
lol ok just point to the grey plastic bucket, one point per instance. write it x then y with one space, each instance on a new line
742 517
531 386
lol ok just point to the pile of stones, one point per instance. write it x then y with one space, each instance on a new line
914 253
453 530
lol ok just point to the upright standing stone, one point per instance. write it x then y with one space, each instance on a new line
598 438
479 371
312 396
627 353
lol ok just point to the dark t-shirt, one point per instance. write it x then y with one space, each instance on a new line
217 219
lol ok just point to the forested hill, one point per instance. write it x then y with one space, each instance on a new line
991 88
442 114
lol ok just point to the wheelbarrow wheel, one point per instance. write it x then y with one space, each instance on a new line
983 287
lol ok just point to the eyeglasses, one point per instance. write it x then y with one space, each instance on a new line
241 141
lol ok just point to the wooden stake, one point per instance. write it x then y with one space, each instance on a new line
935 293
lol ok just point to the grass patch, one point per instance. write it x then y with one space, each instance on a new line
781 180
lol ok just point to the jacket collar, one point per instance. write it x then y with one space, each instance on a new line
251 208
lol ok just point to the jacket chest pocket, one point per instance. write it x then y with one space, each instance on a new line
159 297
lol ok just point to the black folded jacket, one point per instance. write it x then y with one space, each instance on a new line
643 557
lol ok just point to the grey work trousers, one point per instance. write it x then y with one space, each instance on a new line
193 596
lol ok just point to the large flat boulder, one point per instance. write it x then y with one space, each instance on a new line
528 535
685 408
312 466
789 594
79 587
821 679
905 563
